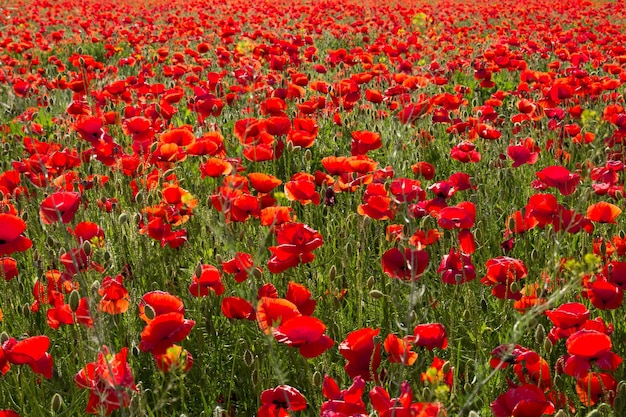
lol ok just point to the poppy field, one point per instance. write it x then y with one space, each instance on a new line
302 208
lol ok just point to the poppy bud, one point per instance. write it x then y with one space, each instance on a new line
483 305
317 378
547 345
198 271
50 241
26 309
4 336
558 382
87 248
332 273
74 300
107 256
370 282
348 249
376 294
256 273
307 155
56 403
95 286
219 259
149 312
25 216
413 317
248 358
254 378
123 218
445 368
540 334
473 414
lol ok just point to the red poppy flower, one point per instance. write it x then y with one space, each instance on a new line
407 266
603 212
178 136
8 268
406 190
362 353
588 344
348 402
263 183
274 310
603 294
109 380
524 401
402 406
275 216
378 205
238 308
209 281
568 315
296 241
430 336
541 209
301 297
160 302
559 177
60 206
11 235
281 402
8 413
596 387
521 154
501 273
304 332
364 141
424 169
301 187
31 352
88 232
215 167
164 331
435 374
456 268
241 265
399 351
461 216
115 298
465 152
173 359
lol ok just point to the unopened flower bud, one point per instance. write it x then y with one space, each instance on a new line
74 300
56 404
87 248
248 358
149 312
376 294
540 334
332 273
